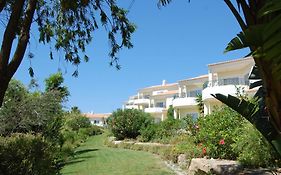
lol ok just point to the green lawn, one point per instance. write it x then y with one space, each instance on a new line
96 159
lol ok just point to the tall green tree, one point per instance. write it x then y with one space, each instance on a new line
260 22
66 23
54 83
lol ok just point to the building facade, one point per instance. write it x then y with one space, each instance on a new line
154 100
97 119
227 77
189 89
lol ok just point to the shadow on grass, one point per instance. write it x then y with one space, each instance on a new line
84 151
78 156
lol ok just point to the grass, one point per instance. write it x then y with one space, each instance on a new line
94 158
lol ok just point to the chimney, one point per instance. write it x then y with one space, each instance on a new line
164 82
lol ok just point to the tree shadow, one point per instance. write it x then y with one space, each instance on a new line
84 151
78 156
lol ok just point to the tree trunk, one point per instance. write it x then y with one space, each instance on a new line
4 82
8 64
272 87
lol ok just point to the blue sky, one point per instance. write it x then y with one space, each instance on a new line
171 43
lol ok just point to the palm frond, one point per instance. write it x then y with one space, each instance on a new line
163 2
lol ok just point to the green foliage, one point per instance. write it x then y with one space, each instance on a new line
148 133
167 129
223 134
70 25
128 123
253 149
190 125
27 112
254 110
170 112
164 130
200 103
75 121
219 125
36 120
16 92
24 154
75 110
54 83
94 130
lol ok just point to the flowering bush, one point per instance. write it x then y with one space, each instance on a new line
217 133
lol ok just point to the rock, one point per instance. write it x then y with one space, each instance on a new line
117 142
182 161
223 167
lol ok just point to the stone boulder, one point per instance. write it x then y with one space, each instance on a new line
223 167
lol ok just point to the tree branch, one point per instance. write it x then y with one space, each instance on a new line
10 34
236 15
23 38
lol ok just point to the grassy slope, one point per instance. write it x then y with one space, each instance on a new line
97 159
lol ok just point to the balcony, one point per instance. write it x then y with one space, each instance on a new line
226 81
131 107
141 101
154 110
184 102
224 86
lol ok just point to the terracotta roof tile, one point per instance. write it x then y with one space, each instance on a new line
89 115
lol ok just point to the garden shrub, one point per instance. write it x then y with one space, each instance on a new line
94 130
36 137
167 129
253 149
148 133
128 123
75 121
25 154
217 132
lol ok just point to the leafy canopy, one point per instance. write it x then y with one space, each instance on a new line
70 24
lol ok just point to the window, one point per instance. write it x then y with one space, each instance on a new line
146 96
194 116
232 81
160 105
194 93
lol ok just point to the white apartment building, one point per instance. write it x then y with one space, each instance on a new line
154 100
97 119
185 103
223 77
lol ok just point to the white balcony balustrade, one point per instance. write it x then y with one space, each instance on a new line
184 102
224 86
154 110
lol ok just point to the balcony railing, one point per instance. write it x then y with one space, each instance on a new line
226 81
188 94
